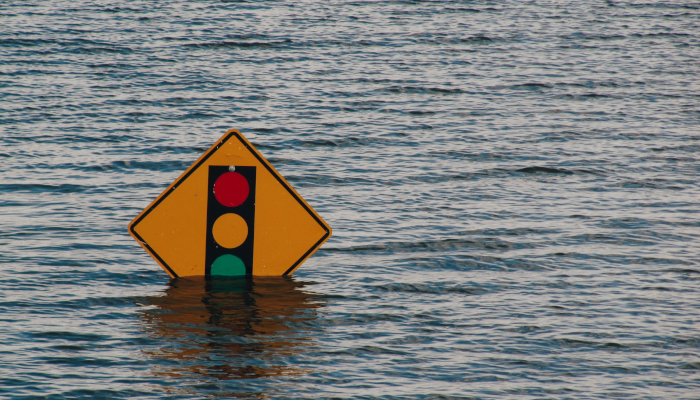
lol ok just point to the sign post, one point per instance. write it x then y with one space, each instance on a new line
230 214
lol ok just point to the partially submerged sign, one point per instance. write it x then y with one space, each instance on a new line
232 214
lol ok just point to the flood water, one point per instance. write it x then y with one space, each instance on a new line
512 186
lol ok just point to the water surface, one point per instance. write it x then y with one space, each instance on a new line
512 187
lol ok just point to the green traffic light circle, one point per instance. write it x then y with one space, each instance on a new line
228 265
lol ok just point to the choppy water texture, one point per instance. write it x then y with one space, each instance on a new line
512 185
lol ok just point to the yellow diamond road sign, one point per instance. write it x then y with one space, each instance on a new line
230 214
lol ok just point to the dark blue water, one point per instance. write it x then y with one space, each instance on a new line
512 186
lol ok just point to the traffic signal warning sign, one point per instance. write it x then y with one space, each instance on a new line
230 214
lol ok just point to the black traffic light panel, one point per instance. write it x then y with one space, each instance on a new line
230 221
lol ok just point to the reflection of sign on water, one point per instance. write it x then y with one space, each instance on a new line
231 329
230 214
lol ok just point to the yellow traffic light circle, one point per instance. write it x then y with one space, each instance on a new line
230 230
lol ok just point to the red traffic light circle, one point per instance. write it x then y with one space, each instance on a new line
231 189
